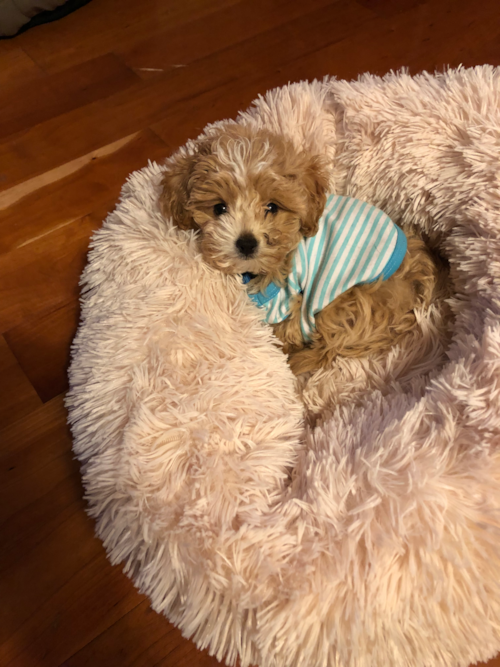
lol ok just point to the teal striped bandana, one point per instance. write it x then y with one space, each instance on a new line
356 243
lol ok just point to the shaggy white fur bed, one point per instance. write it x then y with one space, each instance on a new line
370 538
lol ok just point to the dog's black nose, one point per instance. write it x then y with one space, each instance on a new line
247 244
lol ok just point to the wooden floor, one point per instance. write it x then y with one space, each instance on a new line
83 102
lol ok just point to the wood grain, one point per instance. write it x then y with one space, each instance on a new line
106 25
42 348
213 33
89 596
28 473
16 65
24 105
56 198
17 395
390 7
62 139
83 102
43 274
429 36
223 102
144 638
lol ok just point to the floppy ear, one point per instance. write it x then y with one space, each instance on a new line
315 184
176 187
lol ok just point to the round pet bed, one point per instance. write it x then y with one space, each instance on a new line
350 518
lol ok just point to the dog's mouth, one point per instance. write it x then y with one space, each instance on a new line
245 253
233 265
250 267
234 262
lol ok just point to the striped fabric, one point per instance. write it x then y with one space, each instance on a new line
356 243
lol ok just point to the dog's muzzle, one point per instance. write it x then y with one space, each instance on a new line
247 245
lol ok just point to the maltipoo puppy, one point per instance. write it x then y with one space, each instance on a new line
333 275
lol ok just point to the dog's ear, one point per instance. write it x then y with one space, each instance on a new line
315 184
175 194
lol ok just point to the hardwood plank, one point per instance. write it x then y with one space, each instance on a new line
42 346
487 51
468 32
41 460
27 430
48 504
43 430
389 7
25 105
184 655
17 396
411 40
103 26
105 121
494 662
31 581
141 637
215 32
73 565
39 481
43 275
16 65
59 620
228 99
13 194
139 106
73 190
220 103
49 530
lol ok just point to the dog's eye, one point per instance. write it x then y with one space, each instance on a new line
220 208
272 208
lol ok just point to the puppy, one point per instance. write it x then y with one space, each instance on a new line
253 198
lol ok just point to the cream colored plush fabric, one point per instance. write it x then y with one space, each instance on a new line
371 539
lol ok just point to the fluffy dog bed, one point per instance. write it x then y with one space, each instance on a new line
348 519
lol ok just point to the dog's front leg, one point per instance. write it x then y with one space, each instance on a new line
301 357
289 331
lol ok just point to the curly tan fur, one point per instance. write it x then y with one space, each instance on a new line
368 318
245 171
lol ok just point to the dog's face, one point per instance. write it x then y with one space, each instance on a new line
251 196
